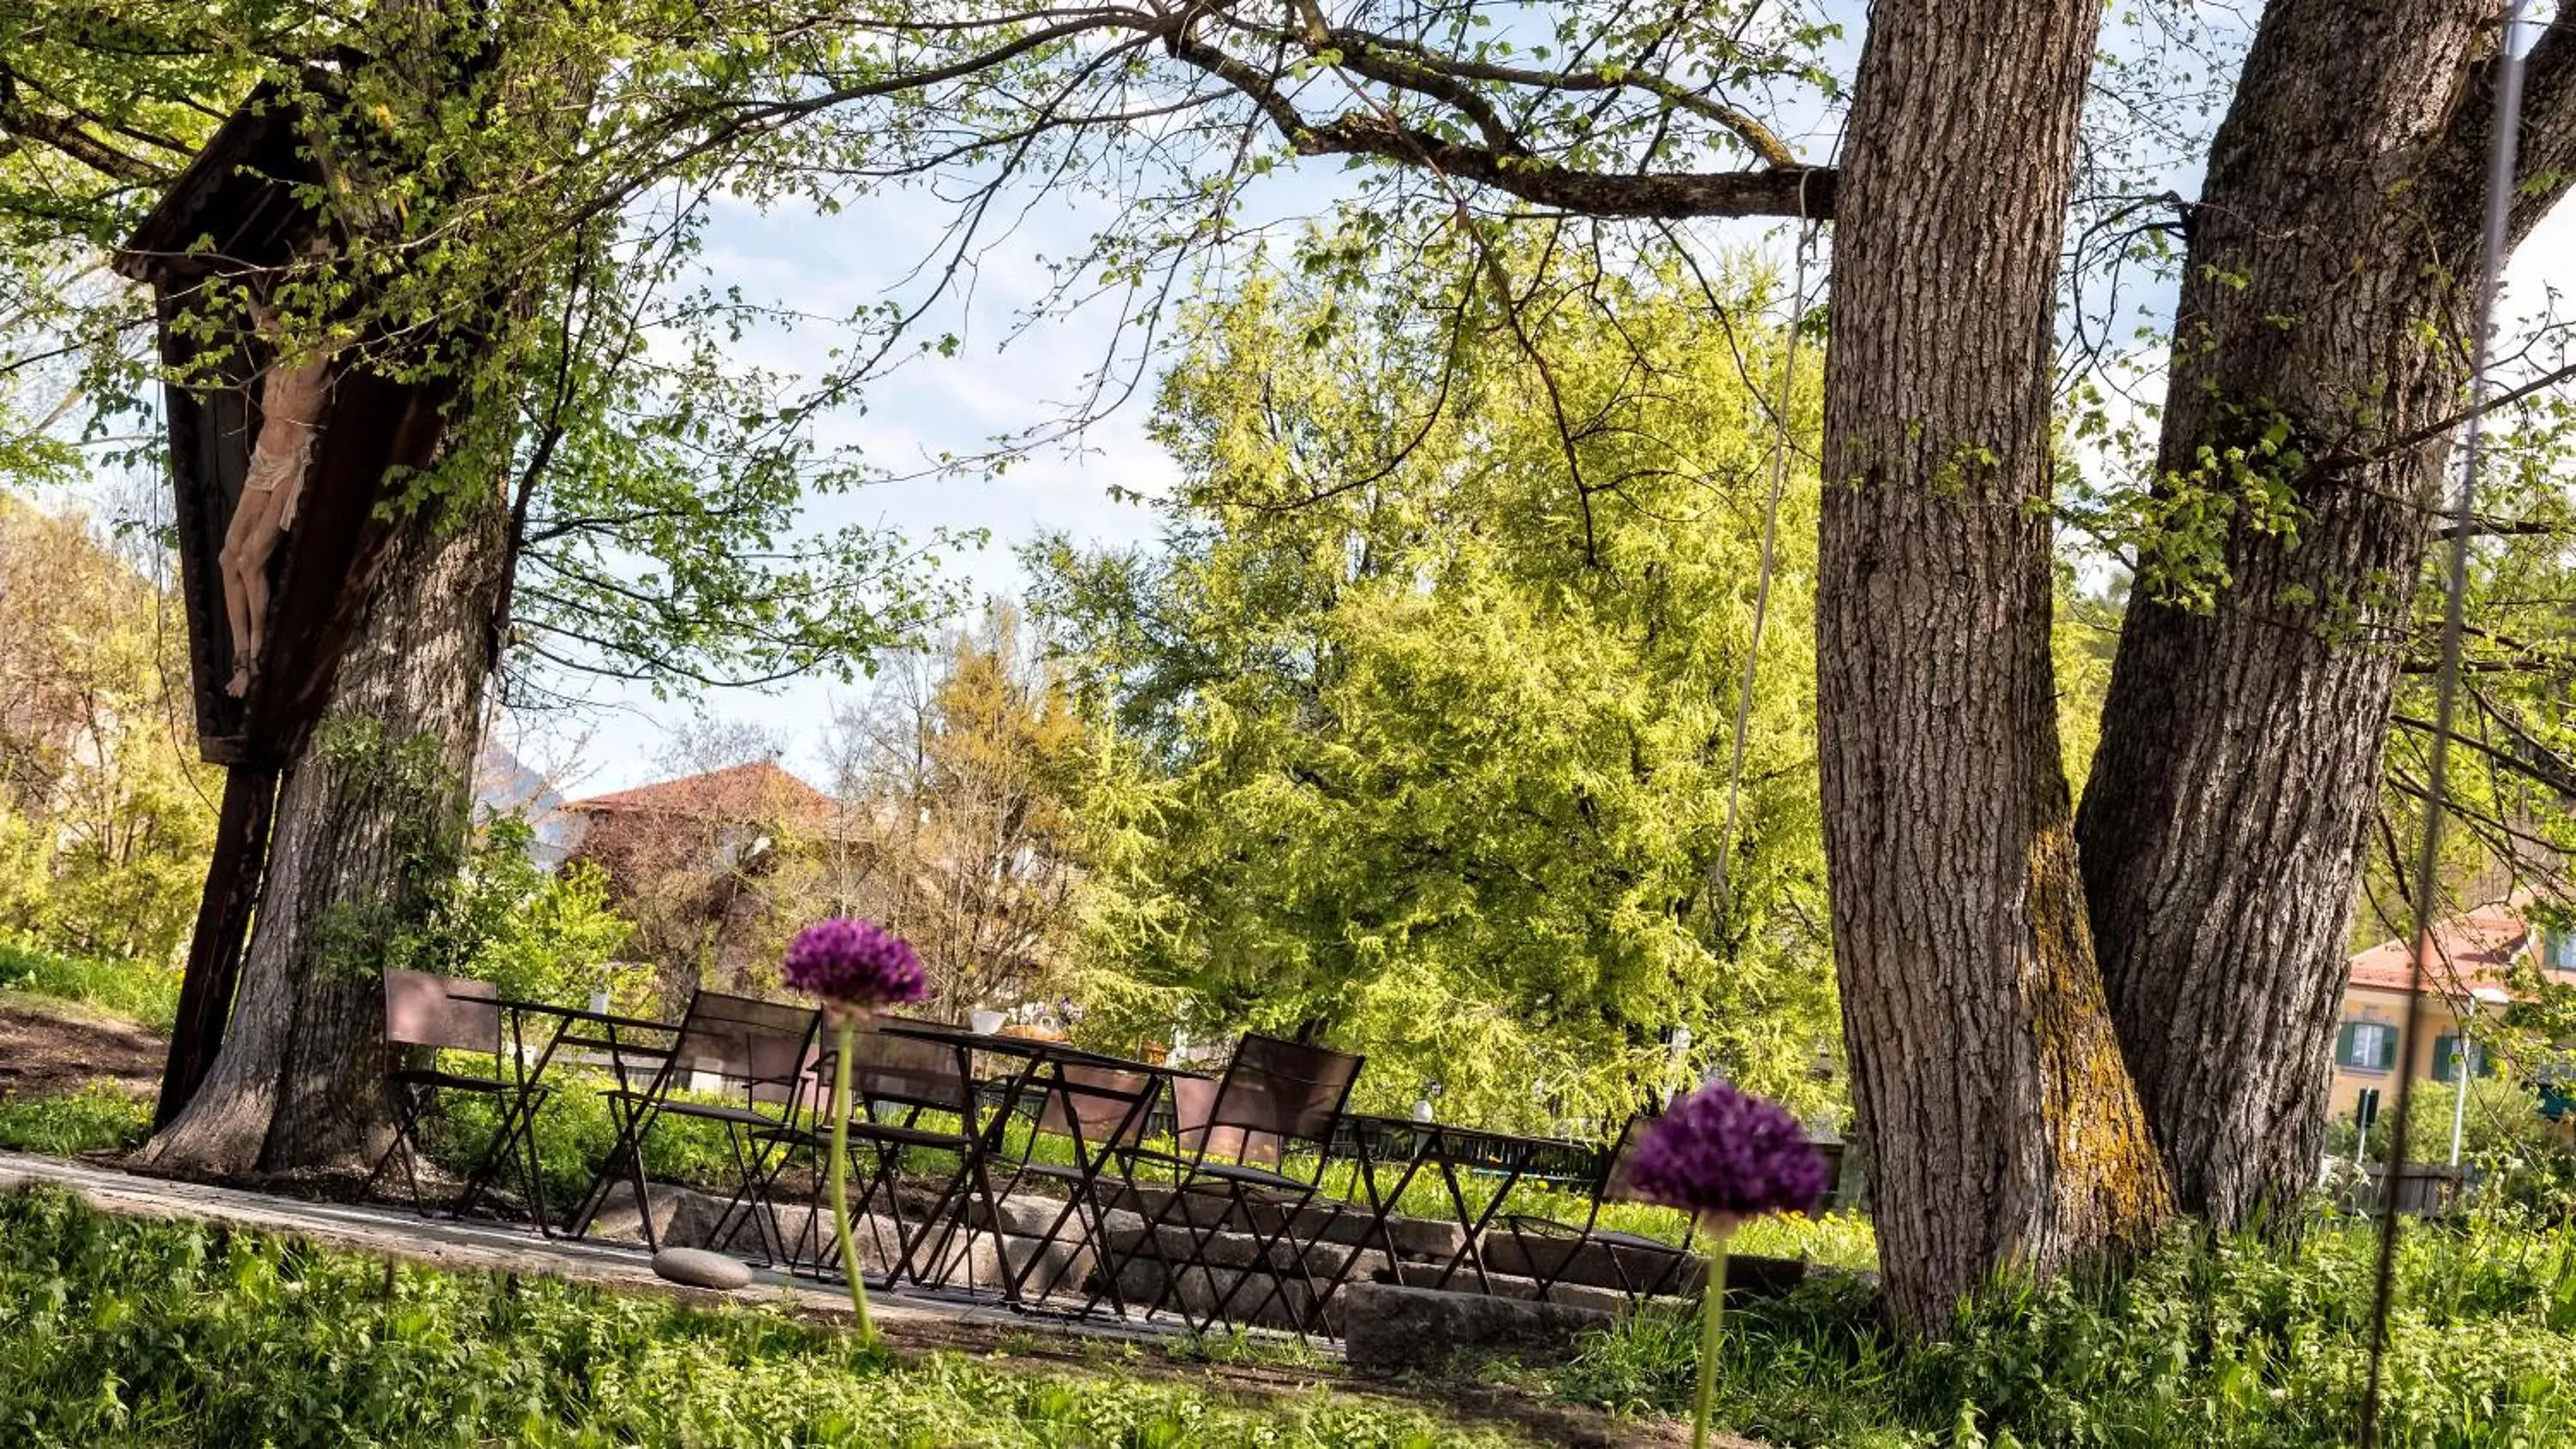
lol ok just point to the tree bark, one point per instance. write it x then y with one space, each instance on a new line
369 821
224 913
2331 270
1987 1077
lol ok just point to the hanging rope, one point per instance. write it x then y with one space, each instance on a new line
1762 582
2500 178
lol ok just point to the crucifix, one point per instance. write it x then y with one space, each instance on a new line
294 393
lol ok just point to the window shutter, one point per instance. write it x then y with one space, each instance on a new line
2444 1068
2343 1046
2387 1048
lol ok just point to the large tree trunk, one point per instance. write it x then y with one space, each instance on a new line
369 821
2332 262
2003 1129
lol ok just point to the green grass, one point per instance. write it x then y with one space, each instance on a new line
2238 1343
117 1334
101 1114
137 990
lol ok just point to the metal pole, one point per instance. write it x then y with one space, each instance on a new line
2501 163
2460 1052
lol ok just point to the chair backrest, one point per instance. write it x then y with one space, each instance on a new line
1274 1092
1193 1101
454 1012
1097 1104
905 1071
760 1045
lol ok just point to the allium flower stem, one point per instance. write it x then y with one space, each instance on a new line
1712 1312
847 1028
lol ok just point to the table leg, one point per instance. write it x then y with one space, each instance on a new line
1475 1224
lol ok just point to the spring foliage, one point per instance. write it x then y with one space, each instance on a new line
105 812
1416 735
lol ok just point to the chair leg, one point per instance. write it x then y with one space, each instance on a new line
406 1119
944 1217
1264 1248
1236 1202
1546 1280
1171 1273
754 1200
1019 1277
1111 1265
625 1154
535 1179
886 1175
746 1171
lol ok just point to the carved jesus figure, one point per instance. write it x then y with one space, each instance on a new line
291 402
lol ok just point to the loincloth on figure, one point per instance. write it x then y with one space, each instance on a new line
273 469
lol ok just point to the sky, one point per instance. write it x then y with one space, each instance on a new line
1002 379
996 383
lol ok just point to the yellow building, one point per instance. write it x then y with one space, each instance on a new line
2466 973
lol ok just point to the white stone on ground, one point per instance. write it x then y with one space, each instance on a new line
701 1269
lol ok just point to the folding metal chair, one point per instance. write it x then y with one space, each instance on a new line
896 1083
1104 1114
1643 1267
757 1051
1236 1137
426 1014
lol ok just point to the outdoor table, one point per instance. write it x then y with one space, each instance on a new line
1043 1071
1372 1143
576 1027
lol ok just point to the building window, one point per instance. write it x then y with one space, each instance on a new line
2558 949
2368 1045
2446 1051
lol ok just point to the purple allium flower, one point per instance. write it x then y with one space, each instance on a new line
1724 1154
854 962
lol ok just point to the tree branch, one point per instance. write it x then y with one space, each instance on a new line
1507 165
19 119
1806 193
2456 168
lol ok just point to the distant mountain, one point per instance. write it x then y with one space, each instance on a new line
504 784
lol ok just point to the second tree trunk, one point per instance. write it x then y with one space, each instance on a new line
2003 1129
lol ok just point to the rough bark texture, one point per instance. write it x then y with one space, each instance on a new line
2333 261
1988 1080
362 818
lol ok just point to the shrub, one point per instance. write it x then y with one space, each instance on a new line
541 935
117 1334
2513 1153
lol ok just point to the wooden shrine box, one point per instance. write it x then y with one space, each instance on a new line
235 214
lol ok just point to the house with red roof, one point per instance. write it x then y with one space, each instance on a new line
698 863
2469 963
